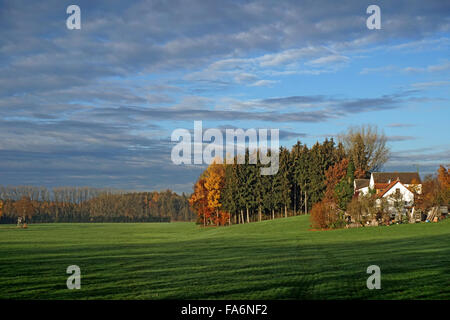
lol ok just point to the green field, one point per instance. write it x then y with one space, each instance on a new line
278 259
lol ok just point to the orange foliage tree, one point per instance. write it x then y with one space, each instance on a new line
199 201
323 214
435 190
24 208
207 196
443 181
333 175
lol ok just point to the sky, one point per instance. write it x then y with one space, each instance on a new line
97 106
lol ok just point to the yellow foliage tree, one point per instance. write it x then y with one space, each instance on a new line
214 183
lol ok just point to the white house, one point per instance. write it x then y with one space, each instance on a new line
390 184
395 188
397 196
380 181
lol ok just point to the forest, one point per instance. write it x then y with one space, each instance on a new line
86 204
238 193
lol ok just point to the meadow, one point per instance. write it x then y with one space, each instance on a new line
280 259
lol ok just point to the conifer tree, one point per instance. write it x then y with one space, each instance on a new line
284 173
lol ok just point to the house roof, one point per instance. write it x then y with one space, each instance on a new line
404 177
390 186
361 183
381 186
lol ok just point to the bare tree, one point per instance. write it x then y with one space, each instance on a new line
366 147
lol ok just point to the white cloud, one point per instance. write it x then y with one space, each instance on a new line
263 83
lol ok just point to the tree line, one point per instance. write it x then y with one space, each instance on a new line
85 204
317 180
238 193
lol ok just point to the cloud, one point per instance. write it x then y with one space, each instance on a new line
444 66
91 106
263 83
400 125
429 84
400 138
383 69
329 59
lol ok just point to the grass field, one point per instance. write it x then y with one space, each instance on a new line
278 259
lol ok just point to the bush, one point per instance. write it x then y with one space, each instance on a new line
325 215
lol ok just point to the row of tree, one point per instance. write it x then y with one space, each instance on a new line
72 204
238 193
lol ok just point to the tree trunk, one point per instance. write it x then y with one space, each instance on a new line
204 219
259 214
301 201
285 211
306 202
295 200
248 217
273 214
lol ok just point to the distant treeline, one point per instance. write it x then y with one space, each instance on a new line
85 204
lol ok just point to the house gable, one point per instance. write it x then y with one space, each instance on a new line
381 181
407 195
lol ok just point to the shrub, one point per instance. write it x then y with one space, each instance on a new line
325 215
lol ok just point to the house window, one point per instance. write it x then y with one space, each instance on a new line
397 190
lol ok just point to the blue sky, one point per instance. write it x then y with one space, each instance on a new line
96 106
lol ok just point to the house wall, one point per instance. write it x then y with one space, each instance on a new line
407 195
363 191
371 182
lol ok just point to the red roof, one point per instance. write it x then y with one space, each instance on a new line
381 186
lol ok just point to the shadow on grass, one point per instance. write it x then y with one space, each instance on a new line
229 268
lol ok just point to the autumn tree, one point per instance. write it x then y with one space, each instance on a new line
214 183
443 182
199 200
323 215
333 175
435 190
24 208
366 147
